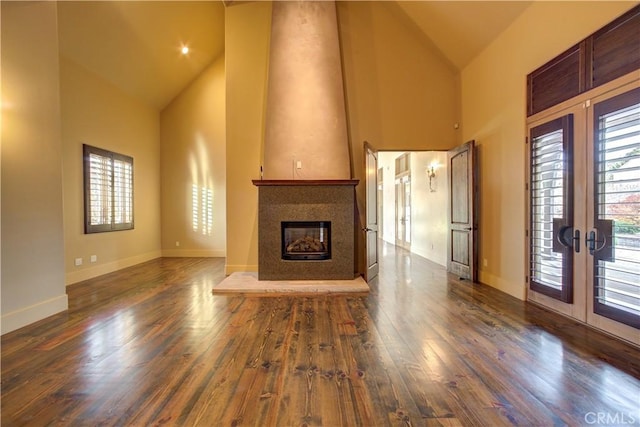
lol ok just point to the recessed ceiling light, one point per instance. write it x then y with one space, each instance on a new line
184 50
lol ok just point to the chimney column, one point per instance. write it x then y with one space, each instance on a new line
306 126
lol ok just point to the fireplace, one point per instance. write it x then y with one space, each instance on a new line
307 163
306 240
306 229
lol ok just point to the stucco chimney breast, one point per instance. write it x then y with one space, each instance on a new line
306 127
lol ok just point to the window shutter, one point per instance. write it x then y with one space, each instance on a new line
108 183
551 264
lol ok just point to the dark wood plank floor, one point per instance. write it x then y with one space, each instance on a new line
151 345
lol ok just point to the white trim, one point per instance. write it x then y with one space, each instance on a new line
27 315
89 273
193 253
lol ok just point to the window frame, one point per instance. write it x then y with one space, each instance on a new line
111 225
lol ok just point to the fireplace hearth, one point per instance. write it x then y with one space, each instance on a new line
306 229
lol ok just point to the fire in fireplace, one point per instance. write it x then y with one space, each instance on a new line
306 240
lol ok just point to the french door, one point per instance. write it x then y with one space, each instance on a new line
584 209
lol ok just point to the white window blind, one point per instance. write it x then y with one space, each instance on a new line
547 200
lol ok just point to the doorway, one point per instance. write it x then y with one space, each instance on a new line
413 207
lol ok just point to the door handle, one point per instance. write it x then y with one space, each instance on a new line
576 241
600 240
591 241
564 236
366 229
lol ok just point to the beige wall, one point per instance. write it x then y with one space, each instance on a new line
193 153
97 113
494 112
247 28
32 238
401 94
429 228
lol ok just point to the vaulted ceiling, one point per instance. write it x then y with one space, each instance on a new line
136 45
462 29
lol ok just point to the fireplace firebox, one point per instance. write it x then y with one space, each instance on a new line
306 240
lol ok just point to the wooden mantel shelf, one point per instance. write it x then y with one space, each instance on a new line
308 182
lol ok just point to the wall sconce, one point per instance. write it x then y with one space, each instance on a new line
431 174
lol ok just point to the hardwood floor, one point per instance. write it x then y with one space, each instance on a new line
151 345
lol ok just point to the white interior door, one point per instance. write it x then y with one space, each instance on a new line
371 227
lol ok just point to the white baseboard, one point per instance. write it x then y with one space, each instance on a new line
27 315
109 267
193 253
229 269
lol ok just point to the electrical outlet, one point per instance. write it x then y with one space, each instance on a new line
177 243
94 258
78 261
485 262
299 164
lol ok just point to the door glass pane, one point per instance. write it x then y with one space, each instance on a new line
460 191
551 209
399 213
407 209
617 197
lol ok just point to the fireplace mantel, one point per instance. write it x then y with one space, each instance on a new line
311 182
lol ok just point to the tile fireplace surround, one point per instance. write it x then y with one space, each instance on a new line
306 200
